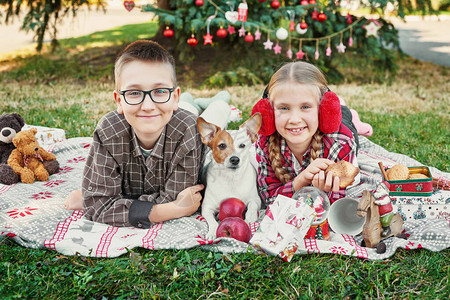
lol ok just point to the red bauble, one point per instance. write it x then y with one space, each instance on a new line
236 228
303 25
249 38
261 1
321 17
199 2
314 15
231 207
312 2
221 33
304 2
275 4
192 41
168 33
349 19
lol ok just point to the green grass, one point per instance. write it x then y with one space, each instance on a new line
72 89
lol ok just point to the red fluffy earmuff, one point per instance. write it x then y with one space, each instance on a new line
264 107
330 115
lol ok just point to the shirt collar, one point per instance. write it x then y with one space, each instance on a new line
157 150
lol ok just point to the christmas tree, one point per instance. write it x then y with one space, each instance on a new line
255 35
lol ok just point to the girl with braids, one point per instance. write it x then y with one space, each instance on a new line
304 130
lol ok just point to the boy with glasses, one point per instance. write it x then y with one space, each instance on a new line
145 158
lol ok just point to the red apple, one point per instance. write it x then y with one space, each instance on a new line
235 228
231 207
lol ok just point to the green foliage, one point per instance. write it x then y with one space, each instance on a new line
240 76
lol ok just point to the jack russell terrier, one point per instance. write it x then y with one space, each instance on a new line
230 172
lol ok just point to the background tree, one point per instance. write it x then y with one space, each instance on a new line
43 16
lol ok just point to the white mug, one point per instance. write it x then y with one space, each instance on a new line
343 219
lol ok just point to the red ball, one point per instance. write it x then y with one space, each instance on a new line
303 25
321 17
312 2
199 2
168 33
221 33
192 41
275 4
249 38
231 207
304 2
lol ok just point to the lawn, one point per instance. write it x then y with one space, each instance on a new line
72 89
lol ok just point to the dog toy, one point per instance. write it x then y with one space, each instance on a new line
29 160
10 125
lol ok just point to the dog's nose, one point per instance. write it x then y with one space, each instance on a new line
36 149
234 160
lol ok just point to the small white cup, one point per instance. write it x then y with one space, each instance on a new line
343 218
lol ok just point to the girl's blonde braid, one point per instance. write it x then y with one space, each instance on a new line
316 145
275 159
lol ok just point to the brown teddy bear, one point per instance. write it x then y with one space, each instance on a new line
28 159
10 125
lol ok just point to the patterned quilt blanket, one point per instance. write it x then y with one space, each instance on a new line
33 215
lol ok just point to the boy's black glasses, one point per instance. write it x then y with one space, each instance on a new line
158 95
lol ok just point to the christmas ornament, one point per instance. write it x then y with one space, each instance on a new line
282 34
192 41
304 2
232 16
242 30
208 39
289 53
249 37
268 44
300 30
312 2
231 29
199 3
341 48
372 26
317 54
322 17
221 33
261 1
350 40
168 33
292 26
242 12
328 51
314 14
300 54
275 4
291 14
129 5
303 25
257 35
349 19
277 49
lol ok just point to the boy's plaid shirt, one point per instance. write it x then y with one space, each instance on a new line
336 146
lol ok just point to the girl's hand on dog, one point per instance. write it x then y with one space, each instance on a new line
189 199
306 177
326 183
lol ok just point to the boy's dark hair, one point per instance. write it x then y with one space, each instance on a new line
143 50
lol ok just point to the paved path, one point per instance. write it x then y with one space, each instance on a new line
427 40
86 22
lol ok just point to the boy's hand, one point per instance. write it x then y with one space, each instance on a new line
328 184
306 177
189 199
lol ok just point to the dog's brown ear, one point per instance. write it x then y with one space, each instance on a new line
207 130
252 125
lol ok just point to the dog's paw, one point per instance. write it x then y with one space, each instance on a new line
211 235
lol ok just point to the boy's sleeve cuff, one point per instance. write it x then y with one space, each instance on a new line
139 212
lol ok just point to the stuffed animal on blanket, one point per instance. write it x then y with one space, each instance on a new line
29 160
10 125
